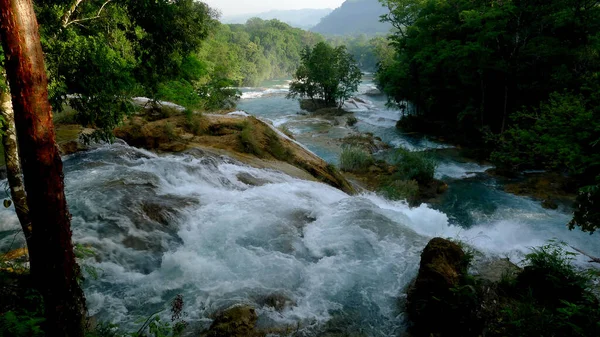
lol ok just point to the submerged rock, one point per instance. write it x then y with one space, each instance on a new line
251 180
374 92
236 321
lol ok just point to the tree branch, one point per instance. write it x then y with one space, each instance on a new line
67 23
67 16
592 259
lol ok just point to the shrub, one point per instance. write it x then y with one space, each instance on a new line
274 145
417 166
351 120
195 123
551 276
401 190
286 131
169 130
552 298
248 140
353 159
218 94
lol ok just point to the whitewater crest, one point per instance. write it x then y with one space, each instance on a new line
187 224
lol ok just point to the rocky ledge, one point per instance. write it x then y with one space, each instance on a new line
237 135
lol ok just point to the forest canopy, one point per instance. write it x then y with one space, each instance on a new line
520 79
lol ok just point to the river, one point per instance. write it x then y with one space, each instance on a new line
163 225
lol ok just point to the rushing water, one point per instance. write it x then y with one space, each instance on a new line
189 224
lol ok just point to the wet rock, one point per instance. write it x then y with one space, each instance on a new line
429 303
236 321
277 301
71 146
550 188
549 204
373 92
496 270
251 180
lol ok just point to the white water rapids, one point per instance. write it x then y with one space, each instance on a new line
191 224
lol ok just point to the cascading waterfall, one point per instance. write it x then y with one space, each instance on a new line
219 233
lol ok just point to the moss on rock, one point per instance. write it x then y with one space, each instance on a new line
236 321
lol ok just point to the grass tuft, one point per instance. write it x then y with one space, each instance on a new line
354 159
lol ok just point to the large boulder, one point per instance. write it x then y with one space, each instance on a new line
236 321
431 302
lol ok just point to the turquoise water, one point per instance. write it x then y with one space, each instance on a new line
163 225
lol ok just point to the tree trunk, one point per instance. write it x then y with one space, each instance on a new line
13 162
505 113
53 266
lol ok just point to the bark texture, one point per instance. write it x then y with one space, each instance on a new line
53 265
13 162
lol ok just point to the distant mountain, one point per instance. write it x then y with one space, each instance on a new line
354 17
300 18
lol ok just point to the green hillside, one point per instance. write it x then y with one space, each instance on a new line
354 17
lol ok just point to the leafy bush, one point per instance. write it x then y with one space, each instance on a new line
169 130
552 298
153 326
558 135
218 94
417 166
179 92
400 190
587 213
353 159
351 120
20 325
551 276
195 123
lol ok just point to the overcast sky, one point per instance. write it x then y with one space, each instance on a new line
235 7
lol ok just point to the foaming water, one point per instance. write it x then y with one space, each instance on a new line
186 224
219 232
190 224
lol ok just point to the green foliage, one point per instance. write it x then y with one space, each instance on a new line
169 130
153 326
256 51
248 139
218 94
354 159
326 73
286 131
558 136
558 276
351 120
26 319
20 325
275 147
522 75
180 92
587 213
194 122
400 189
553 298
418 166
368 52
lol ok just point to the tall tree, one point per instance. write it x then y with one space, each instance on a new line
11 157
326 73
53 266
